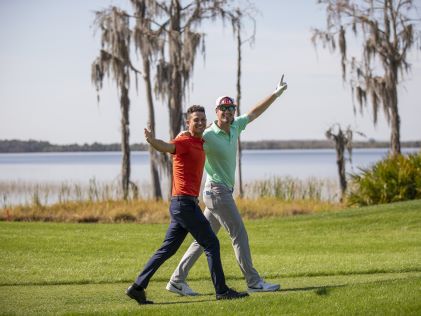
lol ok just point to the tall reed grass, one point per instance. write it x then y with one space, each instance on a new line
32 193
100 202
290 189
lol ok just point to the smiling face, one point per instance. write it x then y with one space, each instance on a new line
196 123
225 113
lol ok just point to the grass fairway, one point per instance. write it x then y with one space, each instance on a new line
359 261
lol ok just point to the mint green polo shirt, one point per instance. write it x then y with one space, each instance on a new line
221 151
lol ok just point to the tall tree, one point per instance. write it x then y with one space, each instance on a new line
149 43
176 25
175 68
167 29
114 61
388 33
236 21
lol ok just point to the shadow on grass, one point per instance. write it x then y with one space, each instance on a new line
89 282
319 290
185 302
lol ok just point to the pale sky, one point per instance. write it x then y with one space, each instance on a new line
47 47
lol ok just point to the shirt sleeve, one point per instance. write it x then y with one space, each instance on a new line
181 145
242 122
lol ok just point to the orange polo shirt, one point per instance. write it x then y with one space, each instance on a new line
188 162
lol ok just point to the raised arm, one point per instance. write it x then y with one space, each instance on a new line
265 103
158 144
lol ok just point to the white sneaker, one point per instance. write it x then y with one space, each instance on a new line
181 288
263 286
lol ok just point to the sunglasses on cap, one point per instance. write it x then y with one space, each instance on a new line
224 108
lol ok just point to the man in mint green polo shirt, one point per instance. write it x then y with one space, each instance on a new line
221 151
221 140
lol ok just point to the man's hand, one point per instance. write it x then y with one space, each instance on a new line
282 86
148 135
262 106
157 143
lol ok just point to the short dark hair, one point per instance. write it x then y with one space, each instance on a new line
194 108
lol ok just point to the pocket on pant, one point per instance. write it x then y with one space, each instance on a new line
209 199
177 207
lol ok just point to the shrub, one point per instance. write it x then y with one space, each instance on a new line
390 180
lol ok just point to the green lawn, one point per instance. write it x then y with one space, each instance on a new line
359 261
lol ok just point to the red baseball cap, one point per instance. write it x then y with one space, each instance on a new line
225 100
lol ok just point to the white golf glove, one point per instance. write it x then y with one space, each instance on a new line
282 86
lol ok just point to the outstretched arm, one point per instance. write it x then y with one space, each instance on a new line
265 103
158 144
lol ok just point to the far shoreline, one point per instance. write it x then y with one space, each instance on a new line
34 146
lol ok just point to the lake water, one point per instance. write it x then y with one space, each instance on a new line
105 166
53 177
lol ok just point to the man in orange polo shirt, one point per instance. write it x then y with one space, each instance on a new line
186 215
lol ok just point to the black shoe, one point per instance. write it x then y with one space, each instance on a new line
138 294
231 295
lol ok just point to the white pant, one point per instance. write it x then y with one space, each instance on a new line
221 210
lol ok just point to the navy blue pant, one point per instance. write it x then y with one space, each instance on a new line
187 217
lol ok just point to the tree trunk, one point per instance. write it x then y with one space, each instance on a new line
125 144
395 144
239 152
395 121
340 162
176 93
175 51
154 162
